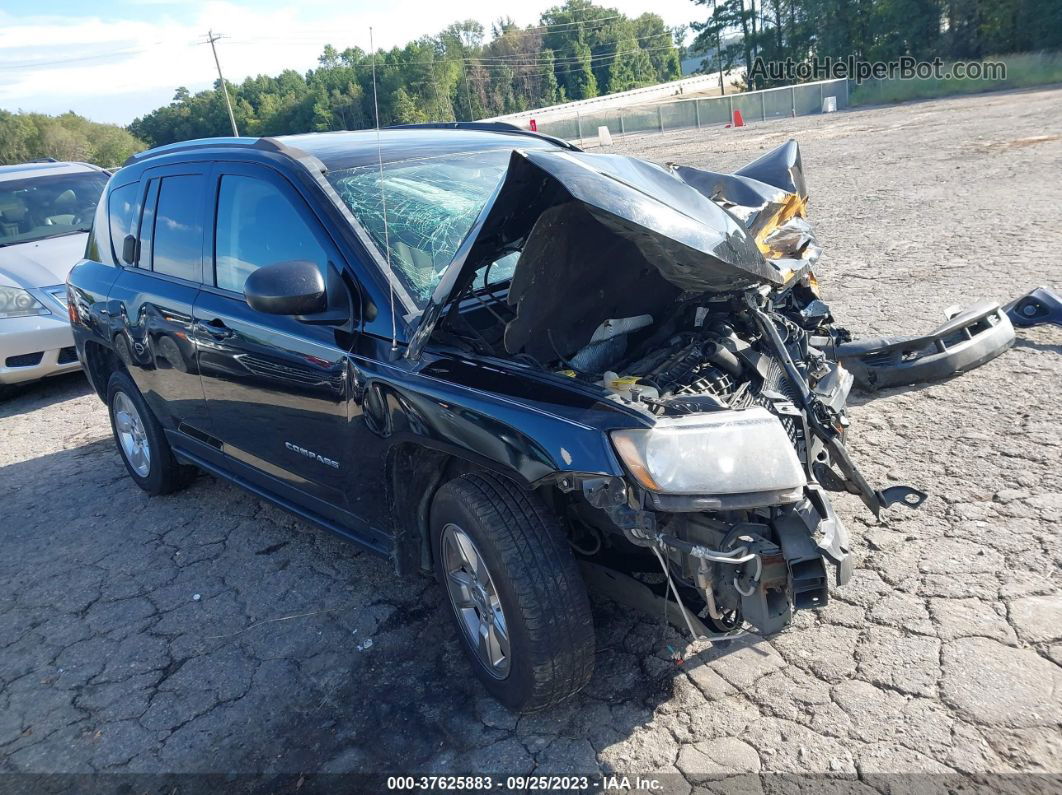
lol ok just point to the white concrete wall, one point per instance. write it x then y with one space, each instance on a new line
621 99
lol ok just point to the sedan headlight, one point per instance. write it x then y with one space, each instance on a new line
16 302
717 453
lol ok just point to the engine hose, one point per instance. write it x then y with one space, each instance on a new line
734 557
723 359
592 550
674 590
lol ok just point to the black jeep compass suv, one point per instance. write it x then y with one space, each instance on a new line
484 353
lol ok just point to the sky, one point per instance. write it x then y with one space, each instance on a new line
115 60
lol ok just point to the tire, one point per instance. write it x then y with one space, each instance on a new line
531 577
157 472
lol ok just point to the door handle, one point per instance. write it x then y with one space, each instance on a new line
217 329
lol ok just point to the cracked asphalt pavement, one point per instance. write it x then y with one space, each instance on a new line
209 632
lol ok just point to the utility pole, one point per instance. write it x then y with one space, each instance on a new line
718 50
211 38
468 88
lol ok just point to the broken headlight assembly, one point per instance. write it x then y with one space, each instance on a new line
718 460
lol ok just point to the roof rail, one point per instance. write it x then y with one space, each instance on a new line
488 126
267 143
195 143
43 160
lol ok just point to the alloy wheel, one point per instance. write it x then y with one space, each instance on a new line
475 601
131 435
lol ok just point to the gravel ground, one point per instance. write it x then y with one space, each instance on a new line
209 632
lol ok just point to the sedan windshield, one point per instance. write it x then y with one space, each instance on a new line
48 205
431 204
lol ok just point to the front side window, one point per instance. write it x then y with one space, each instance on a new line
431 204
258 225
177 242
49 205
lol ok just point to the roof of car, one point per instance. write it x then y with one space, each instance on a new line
340 150
21 170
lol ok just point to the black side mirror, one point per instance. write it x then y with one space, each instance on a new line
295 287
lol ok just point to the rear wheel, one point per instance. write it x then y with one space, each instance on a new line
140 440
514 590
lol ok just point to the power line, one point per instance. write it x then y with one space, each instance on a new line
309 38
509 60
77 59
294 41
575 61
572 68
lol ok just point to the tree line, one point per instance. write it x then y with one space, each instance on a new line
577 51
29 136
736 32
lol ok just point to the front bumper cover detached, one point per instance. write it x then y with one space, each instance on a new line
967 340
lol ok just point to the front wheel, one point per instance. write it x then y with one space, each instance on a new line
514 589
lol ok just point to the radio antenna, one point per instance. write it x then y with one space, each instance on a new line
383 200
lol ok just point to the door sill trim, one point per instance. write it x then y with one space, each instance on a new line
313 518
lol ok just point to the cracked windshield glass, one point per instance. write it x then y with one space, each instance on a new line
431 205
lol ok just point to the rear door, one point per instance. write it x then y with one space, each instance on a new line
276 387
156 289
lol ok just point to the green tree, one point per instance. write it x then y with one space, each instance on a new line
581 82
28 136
404 109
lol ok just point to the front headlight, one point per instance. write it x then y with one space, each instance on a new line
16 302
717 453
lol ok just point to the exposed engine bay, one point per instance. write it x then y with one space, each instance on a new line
751 550
689 297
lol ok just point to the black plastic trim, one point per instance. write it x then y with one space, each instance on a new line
313 518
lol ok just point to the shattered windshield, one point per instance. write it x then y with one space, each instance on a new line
431 205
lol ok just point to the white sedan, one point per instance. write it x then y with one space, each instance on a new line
46 211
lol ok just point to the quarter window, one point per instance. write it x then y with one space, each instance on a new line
258 225
121 206
177 244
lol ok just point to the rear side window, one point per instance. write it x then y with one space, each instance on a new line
258 225
177 242
121 210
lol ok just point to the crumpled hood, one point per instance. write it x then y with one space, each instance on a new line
769 197
606 236
41 263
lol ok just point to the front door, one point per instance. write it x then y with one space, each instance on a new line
276 388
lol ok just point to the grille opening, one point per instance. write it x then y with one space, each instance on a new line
24 359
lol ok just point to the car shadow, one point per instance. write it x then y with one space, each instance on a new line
261 644
860 397
38 394
1036 345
